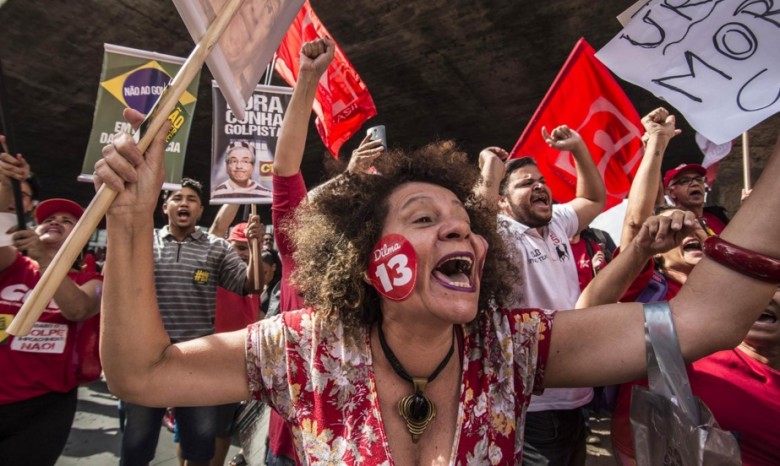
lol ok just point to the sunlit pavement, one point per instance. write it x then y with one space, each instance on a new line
95 437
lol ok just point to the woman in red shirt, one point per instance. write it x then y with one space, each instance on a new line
40 372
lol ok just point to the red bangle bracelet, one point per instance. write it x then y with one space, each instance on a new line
742 260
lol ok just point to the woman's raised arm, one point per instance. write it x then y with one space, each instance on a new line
713 311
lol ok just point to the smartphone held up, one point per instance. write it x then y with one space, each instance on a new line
378 133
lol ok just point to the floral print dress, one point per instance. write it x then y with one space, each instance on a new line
321 380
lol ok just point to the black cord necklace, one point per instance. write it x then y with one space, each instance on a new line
416 409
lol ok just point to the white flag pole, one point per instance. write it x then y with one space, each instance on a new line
269 71
255 255
56 272
746 161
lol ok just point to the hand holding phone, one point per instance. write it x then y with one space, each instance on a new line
378 133
363 157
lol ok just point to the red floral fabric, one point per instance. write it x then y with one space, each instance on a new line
321 380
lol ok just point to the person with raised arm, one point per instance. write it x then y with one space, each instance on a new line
190 265
646 190
644 273
406 352
41 372
290 191
539 234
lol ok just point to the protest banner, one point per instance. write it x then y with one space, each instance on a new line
342 103
717 62
585 97
245 49
242 149
133 78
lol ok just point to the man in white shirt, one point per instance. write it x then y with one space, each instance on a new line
537 233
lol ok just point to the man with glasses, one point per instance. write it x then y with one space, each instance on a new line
686 188
240 166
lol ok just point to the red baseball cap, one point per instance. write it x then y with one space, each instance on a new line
683 167
238 233
50 207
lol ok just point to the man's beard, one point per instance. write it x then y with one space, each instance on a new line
529 218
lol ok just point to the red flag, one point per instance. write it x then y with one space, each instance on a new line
343 102
587 98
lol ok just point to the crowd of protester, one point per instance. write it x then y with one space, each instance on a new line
470 323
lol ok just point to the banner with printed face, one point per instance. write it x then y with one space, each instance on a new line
242 150
716 61
587 98
135 79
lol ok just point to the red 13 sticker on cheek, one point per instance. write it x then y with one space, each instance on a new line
393 267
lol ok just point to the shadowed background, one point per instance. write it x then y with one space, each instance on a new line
469 70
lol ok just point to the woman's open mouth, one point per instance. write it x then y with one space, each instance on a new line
690 245
455 272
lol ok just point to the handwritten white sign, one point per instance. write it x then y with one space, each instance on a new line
716 61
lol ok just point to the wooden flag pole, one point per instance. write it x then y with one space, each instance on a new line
58 269
255 255
746 161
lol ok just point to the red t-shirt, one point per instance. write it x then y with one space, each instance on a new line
743 395
235 312
584 263
643 279
43 361
713 222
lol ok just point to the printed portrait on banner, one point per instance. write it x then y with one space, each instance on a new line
243 149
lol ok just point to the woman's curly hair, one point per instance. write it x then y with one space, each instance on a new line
335 231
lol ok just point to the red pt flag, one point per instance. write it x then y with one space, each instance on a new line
587 98
342 103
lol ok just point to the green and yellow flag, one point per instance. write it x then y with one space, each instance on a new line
136 79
